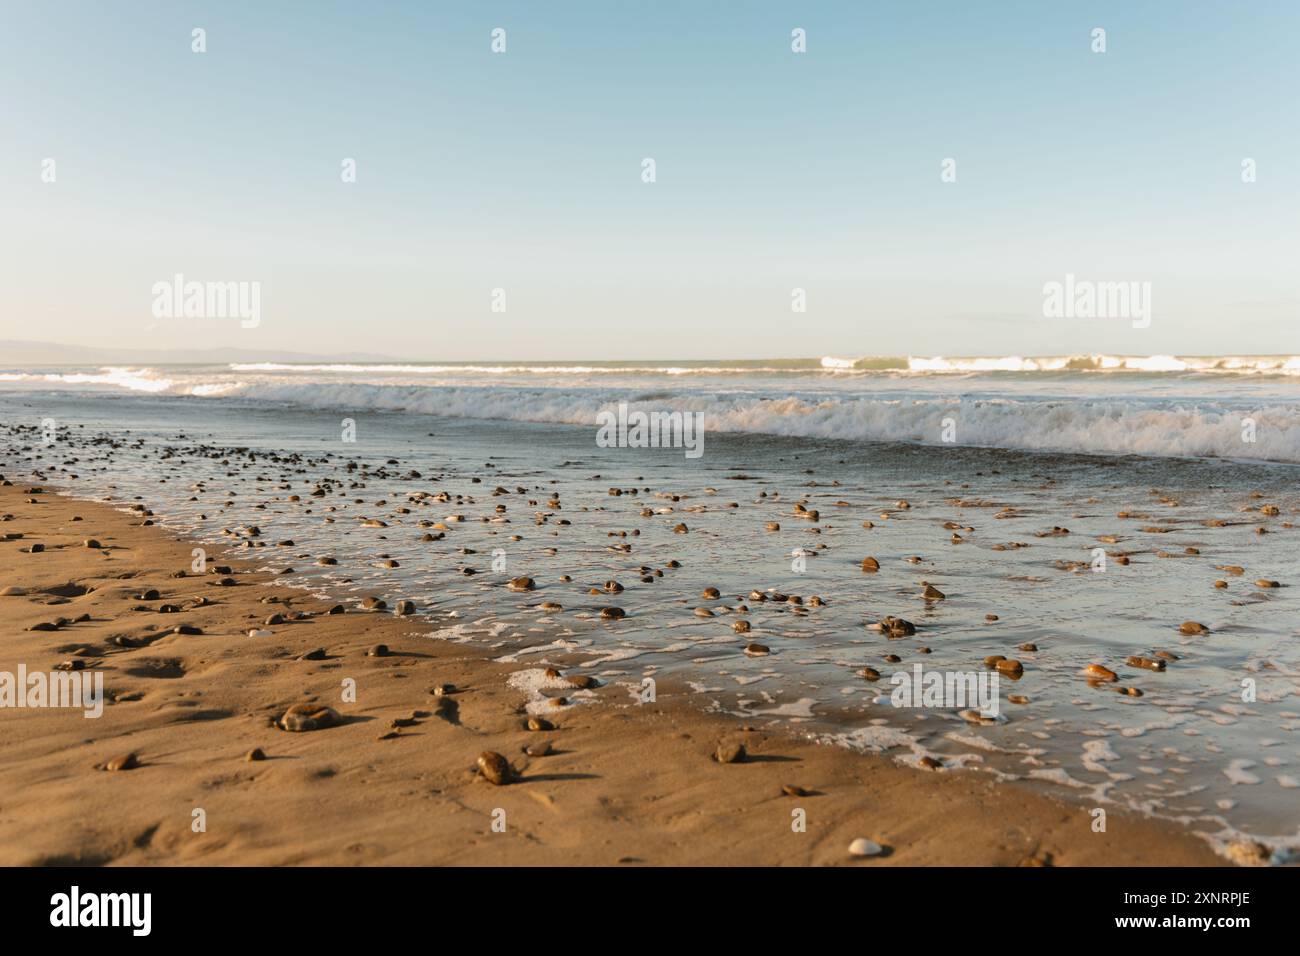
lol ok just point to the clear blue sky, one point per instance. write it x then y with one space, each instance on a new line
775 170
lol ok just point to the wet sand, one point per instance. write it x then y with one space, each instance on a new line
627 783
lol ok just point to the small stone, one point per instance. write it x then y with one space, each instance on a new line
864 847
303 717
125 762
522 584
790 790
378 650
91 543
404 608
540 724
254 755
932 593
870 565
869 673
730 752
1265 583
494 768
757 650
1097 672
740 627
1192 627
542 748
612 613
711 594
1010 668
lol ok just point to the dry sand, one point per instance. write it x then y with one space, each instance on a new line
627 783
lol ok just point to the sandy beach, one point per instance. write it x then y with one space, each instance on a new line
395 780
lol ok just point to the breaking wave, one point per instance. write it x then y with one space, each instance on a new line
1245 422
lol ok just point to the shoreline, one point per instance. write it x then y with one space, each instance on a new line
626 783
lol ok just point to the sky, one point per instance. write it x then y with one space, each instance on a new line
522 171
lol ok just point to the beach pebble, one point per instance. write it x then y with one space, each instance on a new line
896 627
612 613
864 847
373 604
1097 672
870 565
729 752
790 790
932 593
757 650
124 762
254 755
404 608
303 717
13 591
1265 583
1010 668
869 673
494 768
377 650
540 724
522 584
542 748
711 594
1192 627
740 627
91 543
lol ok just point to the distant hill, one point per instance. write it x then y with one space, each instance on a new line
21 353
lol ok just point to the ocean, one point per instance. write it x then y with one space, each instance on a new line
1090 503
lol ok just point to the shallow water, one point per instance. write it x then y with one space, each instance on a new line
1189 747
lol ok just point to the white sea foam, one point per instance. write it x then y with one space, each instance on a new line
998 402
